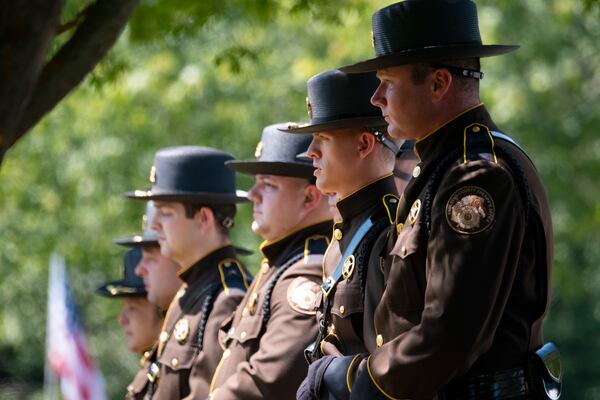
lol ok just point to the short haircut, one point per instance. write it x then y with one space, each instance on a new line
224 214
466 84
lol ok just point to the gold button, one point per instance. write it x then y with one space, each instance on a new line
342 310
163 336
404 251
416 172
264 268
476 129
393 200
243 335
337 234
174 362
226 353
379 340
399 228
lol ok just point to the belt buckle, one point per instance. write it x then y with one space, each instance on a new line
326 286
152 374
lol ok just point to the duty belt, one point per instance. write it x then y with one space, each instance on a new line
539 379
506 384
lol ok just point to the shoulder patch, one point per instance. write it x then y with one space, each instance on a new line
470 210
303 295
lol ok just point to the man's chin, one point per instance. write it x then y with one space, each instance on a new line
322 185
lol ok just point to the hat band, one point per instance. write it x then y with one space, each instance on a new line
332 118
461 71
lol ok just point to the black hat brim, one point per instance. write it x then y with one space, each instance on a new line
429 54
118 289
136 240
296 170
361 122
195 197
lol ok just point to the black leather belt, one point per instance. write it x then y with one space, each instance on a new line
506 384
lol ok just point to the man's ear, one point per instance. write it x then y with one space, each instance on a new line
366 144
312 197
441 80
204 217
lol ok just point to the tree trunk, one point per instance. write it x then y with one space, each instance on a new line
38 90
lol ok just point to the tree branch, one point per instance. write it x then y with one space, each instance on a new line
67 26
89 44
26 32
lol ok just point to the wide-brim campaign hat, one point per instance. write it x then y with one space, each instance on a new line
148 237
276 155
191 174
130 285
415 31
337 100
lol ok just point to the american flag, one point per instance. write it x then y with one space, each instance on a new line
67 349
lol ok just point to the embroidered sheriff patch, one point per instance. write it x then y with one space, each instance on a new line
470 210
303 295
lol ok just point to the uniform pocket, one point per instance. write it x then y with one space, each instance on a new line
178 357
249 328
347 300
407 242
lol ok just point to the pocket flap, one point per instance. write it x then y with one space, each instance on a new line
407 242
178 356
249 327
347 300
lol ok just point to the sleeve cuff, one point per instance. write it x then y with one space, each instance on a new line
366 388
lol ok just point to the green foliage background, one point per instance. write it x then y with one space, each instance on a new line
214 73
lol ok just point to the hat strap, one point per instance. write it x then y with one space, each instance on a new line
381 138
461 71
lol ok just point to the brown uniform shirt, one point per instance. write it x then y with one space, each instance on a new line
354 298
275 322
138 388
212 289
469 279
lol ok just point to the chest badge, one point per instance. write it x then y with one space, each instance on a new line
414 212
348 267
470 210
181 330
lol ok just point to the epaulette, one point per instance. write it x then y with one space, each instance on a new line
390 202
233 275
315 245
477 142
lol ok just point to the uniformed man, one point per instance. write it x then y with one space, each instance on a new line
159 273
468 286
354 158
194 196
266 338
140 319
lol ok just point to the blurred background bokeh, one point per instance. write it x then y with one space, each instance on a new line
213 73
